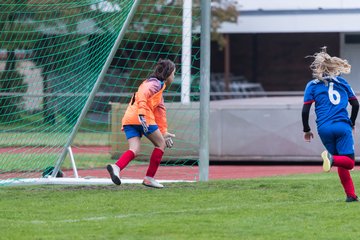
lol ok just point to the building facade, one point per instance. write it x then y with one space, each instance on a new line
271 39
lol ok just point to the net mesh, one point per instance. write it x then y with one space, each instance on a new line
52 53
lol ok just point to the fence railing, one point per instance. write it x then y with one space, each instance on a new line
104 94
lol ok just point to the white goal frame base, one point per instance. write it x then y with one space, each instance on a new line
74 181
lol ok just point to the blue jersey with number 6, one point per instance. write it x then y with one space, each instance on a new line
331 99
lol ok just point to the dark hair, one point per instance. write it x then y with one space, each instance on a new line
163 69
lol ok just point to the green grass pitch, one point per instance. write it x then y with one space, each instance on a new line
291 207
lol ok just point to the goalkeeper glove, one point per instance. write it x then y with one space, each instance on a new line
143 123
168 139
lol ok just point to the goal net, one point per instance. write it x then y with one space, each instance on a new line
67 72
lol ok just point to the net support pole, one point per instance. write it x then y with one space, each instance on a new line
72 159
204 90
96 87
186 52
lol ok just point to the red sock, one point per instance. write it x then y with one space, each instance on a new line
155 160
343 161
347 182
125 159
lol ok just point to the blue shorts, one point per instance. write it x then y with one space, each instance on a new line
337 138
137 130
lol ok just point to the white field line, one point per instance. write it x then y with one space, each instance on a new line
102 218
201 210
75 181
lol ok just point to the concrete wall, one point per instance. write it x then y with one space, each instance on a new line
262 129
252 129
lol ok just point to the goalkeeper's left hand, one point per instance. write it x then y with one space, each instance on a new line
143 123
168 139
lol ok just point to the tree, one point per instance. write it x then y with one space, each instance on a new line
53 56
222 11
11 82
163 13
22 19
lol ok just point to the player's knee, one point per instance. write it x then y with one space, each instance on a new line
352 157
352 164
161 144
135 150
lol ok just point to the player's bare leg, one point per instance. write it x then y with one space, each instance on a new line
126 157
159 143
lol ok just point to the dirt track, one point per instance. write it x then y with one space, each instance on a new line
180 172
215 172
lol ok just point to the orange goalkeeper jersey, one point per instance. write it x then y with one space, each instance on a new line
147 101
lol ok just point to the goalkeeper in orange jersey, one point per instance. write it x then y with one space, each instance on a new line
146 115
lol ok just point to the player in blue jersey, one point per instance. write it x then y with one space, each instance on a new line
331 94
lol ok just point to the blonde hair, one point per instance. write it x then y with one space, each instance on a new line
325 65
